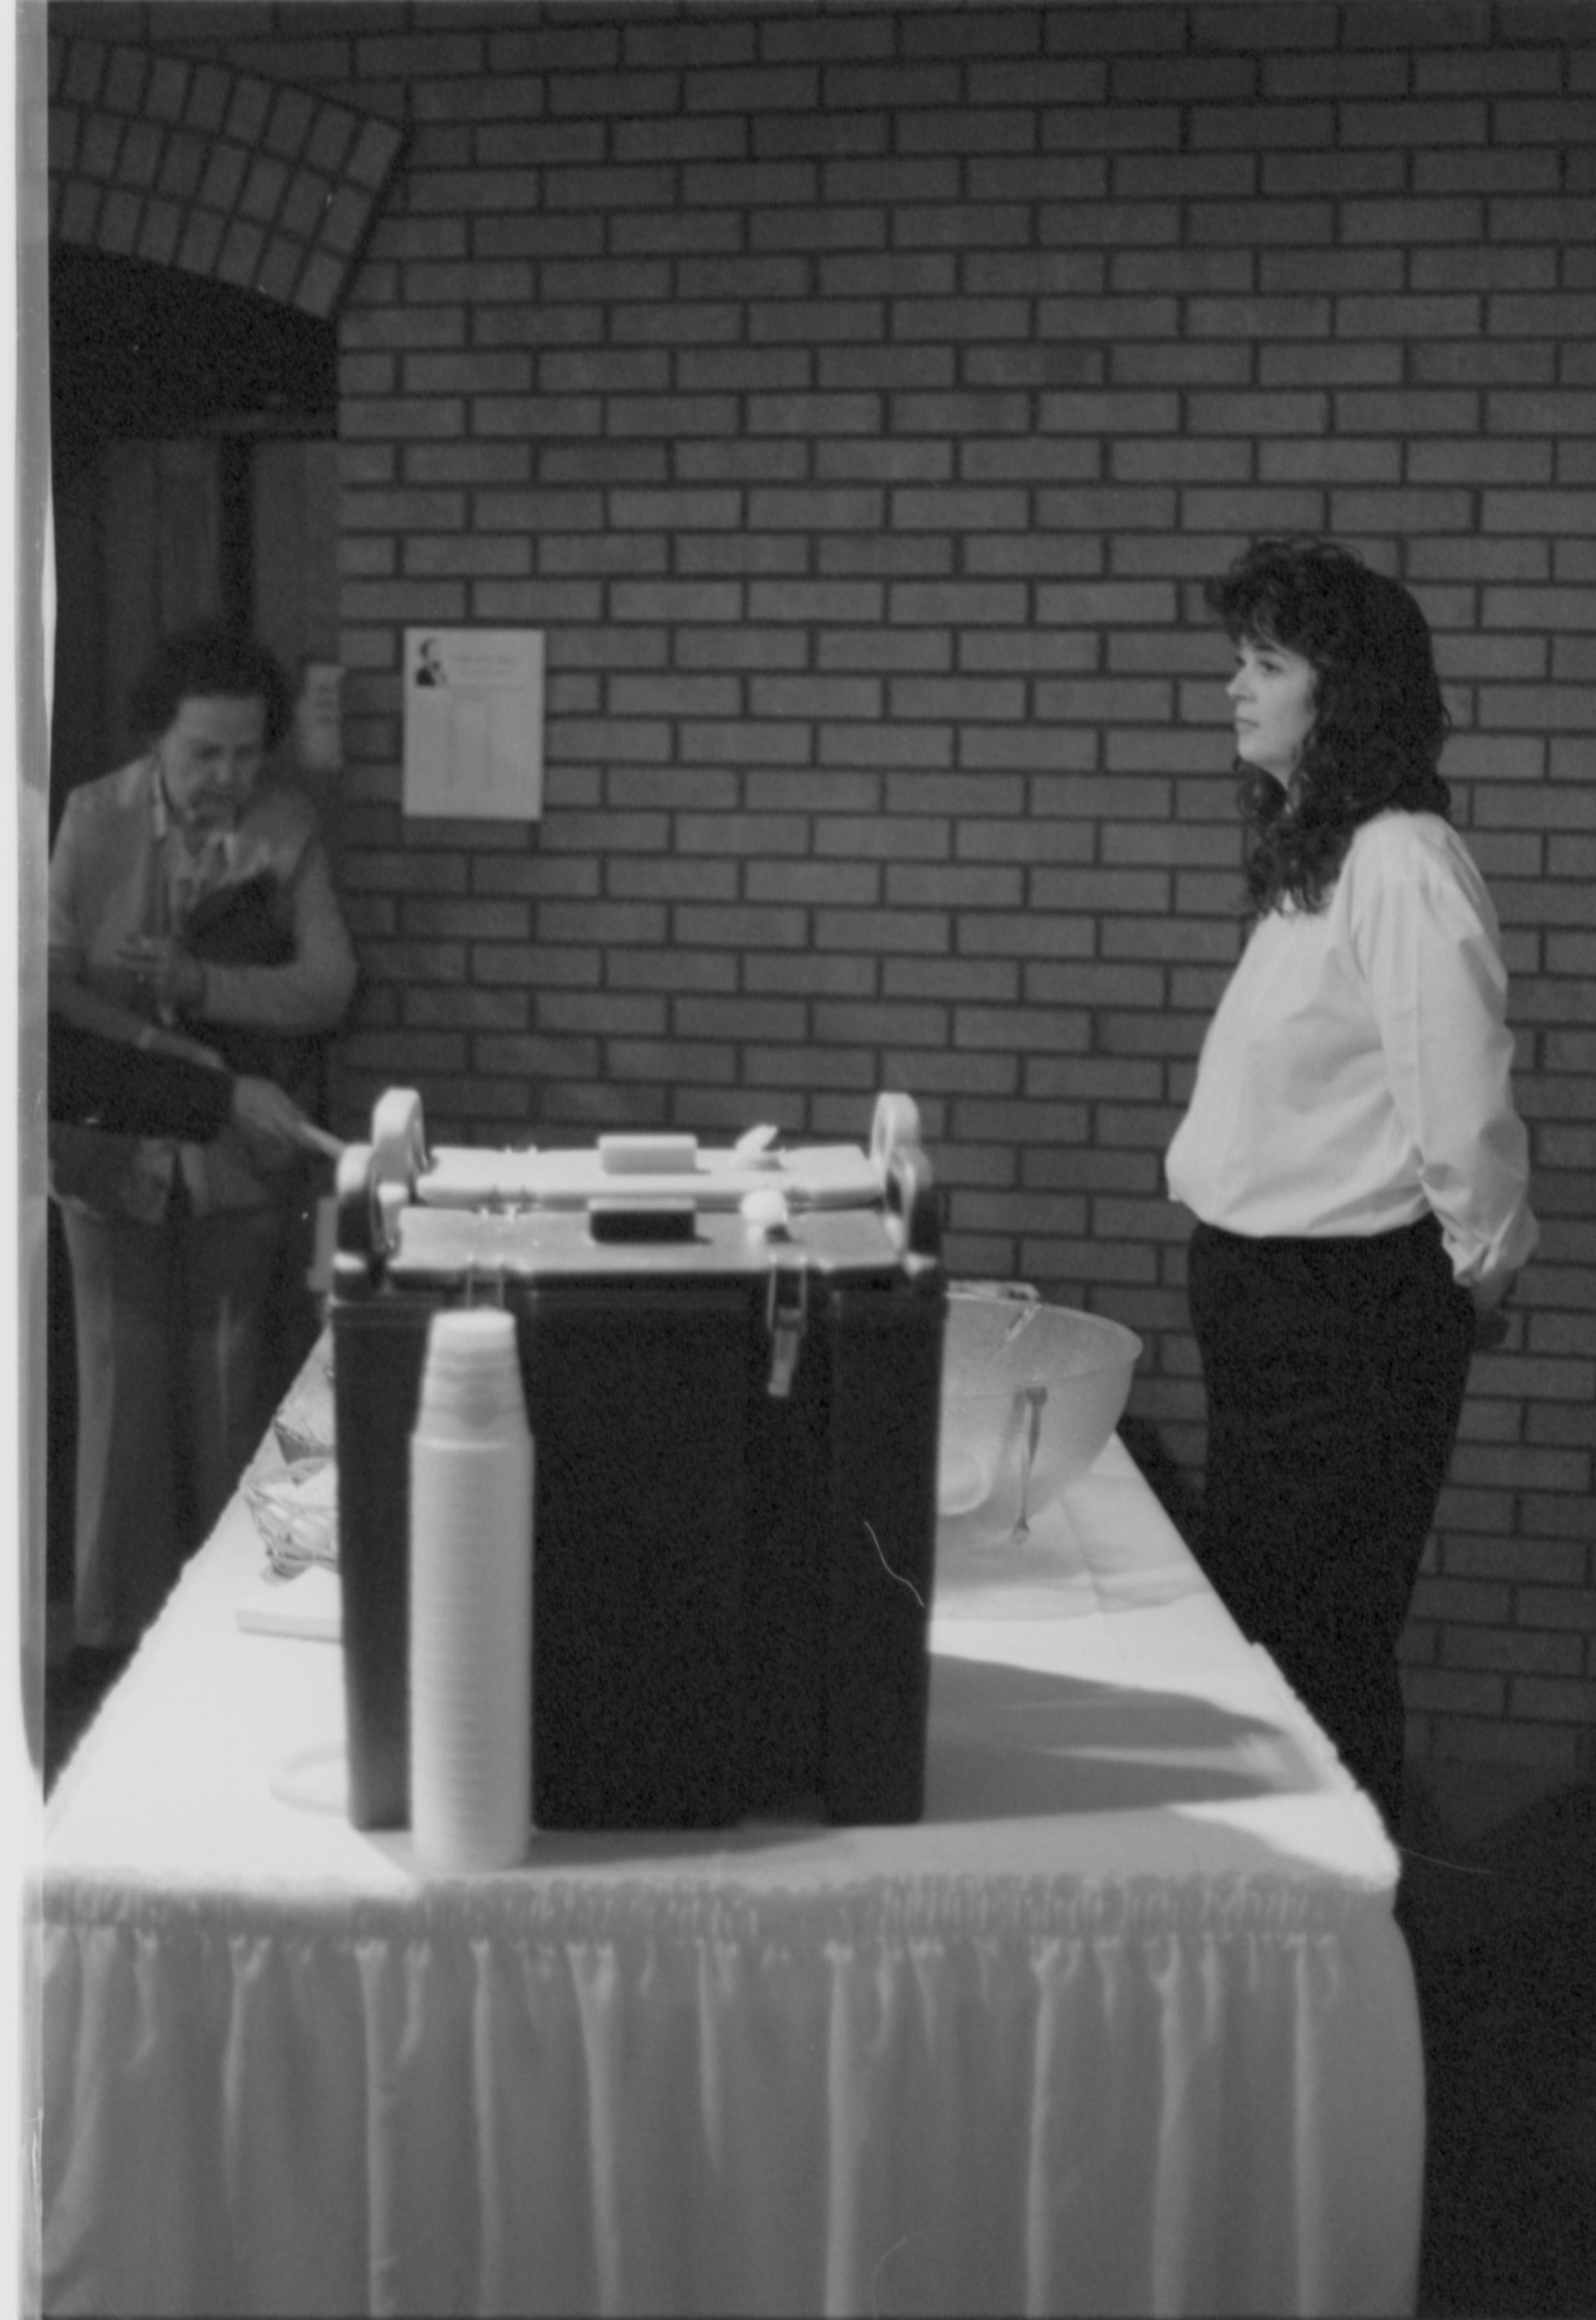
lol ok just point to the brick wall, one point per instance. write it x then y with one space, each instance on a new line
858 398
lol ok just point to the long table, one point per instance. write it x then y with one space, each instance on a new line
1124 2025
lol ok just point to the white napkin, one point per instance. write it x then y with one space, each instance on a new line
306 1604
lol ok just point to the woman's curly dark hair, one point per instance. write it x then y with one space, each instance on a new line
202 663
1379 722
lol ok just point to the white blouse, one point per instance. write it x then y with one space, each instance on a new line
1357 1069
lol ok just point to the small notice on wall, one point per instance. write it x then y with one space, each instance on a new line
474 723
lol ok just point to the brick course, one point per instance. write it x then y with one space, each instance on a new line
858 401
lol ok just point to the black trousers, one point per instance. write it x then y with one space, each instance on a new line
1334 1372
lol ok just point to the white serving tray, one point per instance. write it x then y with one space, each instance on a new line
818 1176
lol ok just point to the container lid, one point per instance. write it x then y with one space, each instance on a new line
443 1247
814 1176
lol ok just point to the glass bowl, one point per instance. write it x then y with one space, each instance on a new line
295 1511
302 1423
1030 1394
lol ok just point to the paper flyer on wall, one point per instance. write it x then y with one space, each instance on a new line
474 723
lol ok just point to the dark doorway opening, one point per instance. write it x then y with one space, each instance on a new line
164 387
138 351
191 426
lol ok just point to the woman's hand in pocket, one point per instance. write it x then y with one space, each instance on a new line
1490 1321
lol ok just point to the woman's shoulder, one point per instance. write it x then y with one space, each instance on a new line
106 830
281 804
1416 853
125 791
1401 844
279 824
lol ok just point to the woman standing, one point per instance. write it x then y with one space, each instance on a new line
1351 1150
190 907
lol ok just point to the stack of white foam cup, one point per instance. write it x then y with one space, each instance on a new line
470 1597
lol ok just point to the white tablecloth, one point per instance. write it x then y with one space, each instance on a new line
1125 2026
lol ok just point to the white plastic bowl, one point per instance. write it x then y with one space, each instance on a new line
1030 1394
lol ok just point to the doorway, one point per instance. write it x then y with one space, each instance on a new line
194 475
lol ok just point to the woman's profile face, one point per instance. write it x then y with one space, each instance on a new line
1271 695
209 757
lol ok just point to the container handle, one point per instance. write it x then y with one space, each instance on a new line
896 1122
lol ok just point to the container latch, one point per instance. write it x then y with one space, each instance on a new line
786 1316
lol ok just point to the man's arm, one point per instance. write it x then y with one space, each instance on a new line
152 1091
